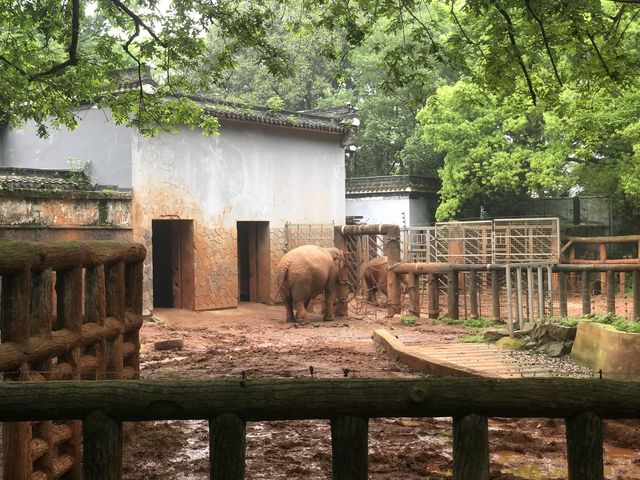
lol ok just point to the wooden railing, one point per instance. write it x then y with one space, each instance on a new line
347 403
68 311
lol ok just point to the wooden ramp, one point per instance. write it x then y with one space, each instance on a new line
458 359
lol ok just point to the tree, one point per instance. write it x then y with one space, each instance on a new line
56 55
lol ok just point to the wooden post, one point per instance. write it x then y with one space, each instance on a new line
636 295
507 270
42 303
452 295
115 301
586 294
519 297
392 251
95 311
349 447
14 324
102 447
584 447
227 445
414 294
611 291
530 293
562 293
623 283
433 295
470 448
342 290
495 295
473 292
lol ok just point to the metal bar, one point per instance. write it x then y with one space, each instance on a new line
530 292
540 294
509 302
550 289
519 296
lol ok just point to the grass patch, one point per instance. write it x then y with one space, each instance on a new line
474 338
479 322
408 320
511 343
621 324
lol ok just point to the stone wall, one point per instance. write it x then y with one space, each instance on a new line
64 215
278 242
216 268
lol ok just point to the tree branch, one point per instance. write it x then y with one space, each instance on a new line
8 62
138 21
602 62
516 50
73 44
455 19
545 40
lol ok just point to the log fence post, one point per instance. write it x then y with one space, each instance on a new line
349 447
115 303
102 439
611 291
227 447
414 294
562 293
584 447
342 289
586 293
636 295
470 448
433 296
452 295
392 251
473 293
495 295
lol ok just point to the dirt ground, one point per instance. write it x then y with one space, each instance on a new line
255 339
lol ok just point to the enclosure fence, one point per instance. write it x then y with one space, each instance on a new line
298 234
68 311
347 403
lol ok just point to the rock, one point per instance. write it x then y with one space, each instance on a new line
493 335
173 344
553 349
561 333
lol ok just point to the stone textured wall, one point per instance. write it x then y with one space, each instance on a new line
64 215
216 267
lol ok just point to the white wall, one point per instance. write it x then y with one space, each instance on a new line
377 210
247 173
97 140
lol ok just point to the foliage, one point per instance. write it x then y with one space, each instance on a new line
479 322
408 320
619 323
477 337
55 56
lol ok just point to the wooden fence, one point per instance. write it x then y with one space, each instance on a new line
68 311
347 403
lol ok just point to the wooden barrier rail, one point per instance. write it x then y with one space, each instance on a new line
68 311
451 271
347 403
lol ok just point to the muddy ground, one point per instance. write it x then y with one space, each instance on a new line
255 339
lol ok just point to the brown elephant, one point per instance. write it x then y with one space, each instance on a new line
306 272
375 276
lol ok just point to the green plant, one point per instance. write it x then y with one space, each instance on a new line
477 337
274 105
479 323
408 320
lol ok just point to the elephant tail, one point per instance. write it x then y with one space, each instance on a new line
282 280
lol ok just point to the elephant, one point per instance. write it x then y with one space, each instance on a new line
304 273
375 276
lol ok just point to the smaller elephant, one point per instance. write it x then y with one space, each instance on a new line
375 276
304 273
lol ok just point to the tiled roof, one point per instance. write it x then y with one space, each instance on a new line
308 120
13 178
392 184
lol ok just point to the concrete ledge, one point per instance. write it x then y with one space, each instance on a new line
602 347
419 361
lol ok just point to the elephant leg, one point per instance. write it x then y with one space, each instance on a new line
308 305
301 312
329 299
289 303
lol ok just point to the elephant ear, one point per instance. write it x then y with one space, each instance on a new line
339 259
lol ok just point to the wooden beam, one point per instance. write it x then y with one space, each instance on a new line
297 399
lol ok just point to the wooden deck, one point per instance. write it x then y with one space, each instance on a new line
458 359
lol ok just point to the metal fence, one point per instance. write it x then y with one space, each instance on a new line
298 234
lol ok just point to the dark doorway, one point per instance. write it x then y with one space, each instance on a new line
173 264
254 258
